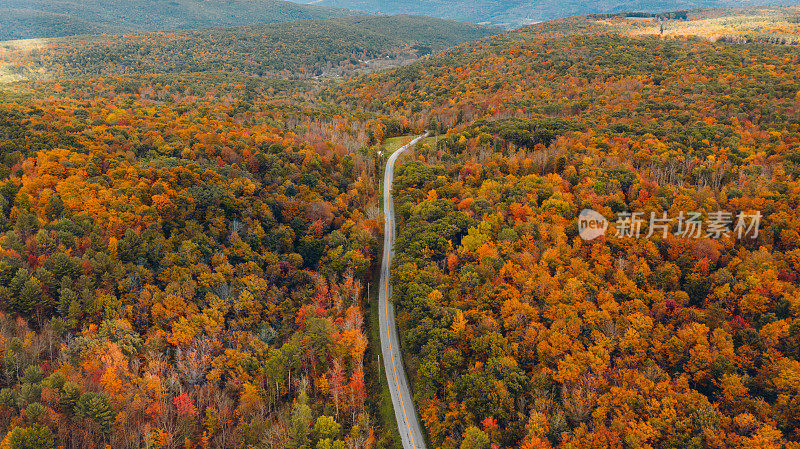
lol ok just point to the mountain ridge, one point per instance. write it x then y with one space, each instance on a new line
25 19
516 13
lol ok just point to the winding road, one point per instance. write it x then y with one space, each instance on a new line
404 411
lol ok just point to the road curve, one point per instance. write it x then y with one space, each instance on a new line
404 411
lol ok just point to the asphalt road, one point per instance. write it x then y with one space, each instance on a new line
404 411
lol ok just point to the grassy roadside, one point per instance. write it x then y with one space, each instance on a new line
392 144
430 141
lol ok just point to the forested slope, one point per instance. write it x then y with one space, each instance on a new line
29 19
300 49
520 333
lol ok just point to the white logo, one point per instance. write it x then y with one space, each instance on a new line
591 224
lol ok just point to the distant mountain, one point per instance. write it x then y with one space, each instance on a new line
302 49
516 13
25 19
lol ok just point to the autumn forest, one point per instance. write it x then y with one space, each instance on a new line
190 249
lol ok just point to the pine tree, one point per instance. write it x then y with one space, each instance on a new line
96 407
31 297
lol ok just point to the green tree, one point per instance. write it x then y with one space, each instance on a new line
475 438
27 224
61 265
96 407
70 394
300 423
33 374
327 427
34 411
55 207
33 437
31 297
327 443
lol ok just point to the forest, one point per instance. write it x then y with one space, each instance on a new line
186 256
298 49
33 19
517 332
184 267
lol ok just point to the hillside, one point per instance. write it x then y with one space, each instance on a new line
302 48
189 251
519 332
516 13
27 19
